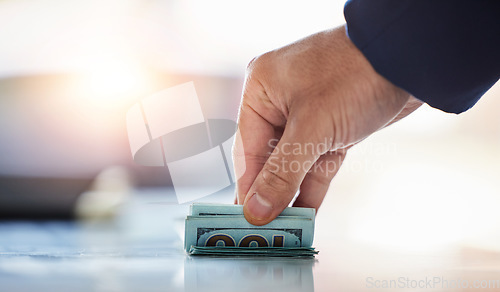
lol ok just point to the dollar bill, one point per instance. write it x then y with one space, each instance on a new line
254 251
206 209
213 229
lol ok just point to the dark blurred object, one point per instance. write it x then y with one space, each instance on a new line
59 131
40 198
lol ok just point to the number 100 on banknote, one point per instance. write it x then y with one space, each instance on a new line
216 227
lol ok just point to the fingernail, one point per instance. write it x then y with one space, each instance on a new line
258 207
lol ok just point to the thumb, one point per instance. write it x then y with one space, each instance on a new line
283 172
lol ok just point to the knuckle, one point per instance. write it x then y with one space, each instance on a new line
251 63
258 62
277 181
322 179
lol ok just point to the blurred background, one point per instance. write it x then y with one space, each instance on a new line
69 71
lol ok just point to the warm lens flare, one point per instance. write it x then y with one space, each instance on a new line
113 83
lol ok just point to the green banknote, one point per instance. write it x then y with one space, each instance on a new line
222 230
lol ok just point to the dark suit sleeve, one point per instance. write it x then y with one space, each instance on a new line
444 52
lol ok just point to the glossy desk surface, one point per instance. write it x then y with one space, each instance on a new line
142 250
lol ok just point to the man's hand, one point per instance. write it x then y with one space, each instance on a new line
303 105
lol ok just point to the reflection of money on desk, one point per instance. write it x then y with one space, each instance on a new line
222 230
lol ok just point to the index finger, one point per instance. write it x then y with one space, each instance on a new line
254 142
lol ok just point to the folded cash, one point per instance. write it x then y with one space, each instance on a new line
222 230
232 251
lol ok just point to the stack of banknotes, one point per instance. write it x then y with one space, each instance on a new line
222 230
